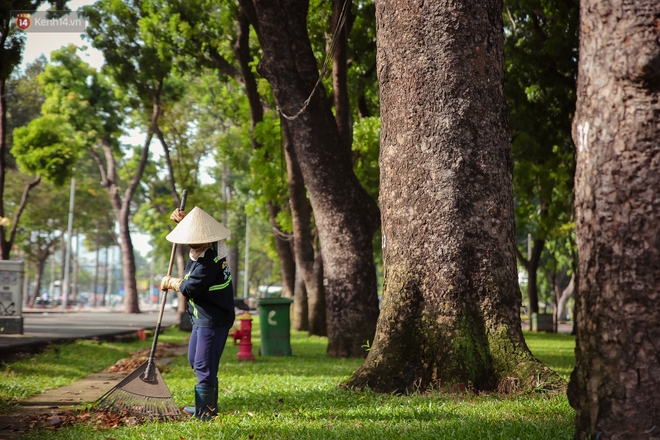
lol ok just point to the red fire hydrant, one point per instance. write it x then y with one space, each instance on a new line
245 336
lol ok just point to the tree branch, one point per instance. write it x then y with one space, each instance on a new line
99 163
224 66
135 180
166 149
21 208
242 50
521 258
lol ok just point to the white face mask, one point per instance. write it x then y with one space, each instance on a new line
198 252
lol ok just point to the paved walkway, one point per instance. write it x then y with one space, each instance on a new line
46 326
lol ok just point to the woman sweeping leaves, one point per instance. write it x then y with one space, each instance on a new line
208 289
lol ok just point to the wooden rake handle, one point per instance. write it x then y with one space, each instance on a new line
148 375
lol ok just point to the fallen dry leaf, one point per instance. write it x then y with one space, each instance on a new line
128 365
97 418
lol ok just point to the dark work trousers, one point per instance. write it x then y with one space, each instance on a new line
204 351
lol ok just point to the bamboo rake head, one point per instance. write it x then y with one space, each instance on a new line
134 396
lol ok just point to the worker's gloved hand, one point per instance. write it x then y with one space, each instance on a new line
177 215
170 283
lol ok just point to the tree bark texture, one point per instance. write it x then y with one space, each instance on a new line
451 300
615 387
345 216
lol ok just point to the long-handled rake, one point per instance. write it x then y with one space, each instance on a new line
144 393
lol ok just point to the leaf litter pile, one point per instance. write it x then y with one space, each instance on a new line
95 417
127 366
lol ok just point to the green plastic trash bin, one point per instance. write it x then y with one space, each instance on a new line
275 325
542 322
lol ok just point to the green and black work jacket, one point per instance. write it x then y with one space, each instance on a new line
207 286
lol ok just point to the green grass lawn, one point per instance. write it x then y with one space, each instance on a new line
298 397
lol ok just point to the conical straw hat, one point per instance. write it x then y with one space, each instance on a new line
198 227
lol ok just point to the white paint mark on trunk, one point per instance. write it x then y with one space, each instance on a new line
583 137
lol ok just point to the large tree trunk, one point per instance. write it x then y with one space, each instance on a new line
451 300
616 383
346 217
301 215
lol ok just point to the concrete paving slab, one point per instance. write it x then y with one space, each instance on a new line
86 390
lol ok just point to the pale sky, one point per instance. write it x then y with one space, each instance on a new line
45 42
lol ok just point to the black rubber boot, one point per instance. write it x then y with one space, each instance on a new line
205 402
